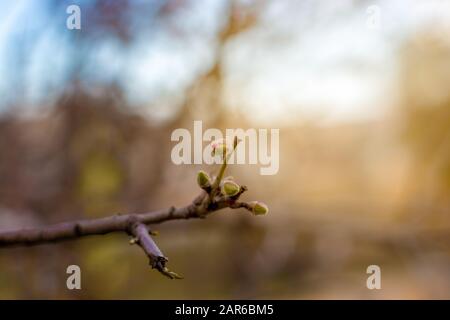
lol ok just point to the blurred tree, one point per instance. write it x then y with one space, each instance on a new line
425 120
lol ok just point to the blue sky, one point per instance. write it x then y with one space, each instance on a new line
316 59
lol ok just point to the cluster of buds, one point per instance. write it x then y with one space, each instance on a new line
226 188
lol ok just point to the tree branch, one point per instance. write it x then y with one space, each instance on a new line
136 224
116 223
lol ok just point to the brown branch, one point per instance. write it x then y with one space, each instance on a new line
116 223
136 224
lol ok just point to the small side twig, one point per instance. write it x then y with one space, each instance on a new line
145 241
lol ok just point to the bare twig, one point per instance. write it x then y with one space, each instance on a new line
134 224
145 241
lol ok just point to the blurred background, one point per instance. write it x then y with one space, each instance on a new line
359 91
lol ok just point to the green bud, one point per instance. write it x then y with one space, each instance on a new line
203 179
221 147
258 208
230 188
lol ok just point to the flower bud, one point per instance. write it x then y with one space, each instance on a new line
221 147
258 208
203 179
230 188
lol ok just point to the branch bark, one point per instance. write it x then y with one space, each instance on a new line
80 228
135 224
115 223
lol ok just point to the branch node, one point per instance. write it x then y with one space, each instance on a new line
77 229
172 211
